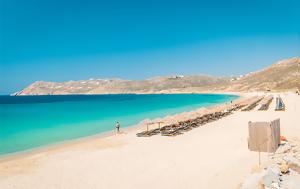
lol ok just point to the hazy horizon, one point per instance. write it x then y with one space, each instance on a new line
74 40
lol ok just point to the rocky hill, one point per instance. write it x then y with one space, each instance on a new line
284 75
173 84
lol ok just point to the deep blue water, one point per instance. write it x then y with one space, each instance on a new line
28 122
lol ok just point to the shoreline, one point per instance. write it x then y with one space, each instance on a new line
204 157
147 93
107 134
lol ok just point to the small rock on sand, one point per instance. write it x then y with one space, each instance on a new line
284 148
284 168
272 175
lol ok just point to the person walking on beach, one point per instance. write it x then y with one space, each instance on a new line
118 126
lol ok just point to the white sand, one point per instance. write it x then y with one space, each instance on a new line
212 156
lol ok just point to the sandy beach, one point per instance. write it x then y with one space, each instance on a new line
211 156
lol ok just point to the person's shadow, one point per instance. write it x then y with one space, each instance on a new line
121 132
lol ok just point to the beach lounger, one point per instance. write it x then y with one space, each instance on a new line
265 103
172 132
185 126
148 133
143 134
252 104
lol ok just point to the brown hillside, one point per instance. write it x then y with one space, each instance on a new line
284 75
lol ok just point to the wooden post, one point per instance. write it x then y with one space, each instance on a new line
259 158
159 124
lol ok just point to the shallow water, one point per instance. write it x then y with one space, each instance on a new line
28 122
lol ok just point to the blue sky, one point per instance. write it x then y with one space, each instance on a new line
59 40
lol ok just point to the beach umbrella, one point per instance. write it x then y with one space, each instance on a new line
149 123
159 122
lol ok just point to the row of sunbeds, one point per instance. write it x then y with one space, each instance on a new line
265 103
184 126
253 103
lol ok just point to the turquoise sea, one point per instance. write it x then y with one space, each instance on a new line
28 122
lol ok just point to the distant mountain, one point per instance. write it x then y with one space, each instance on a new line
284 75
172 84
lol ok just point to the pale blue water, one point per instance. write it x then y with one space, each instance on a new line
28 122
